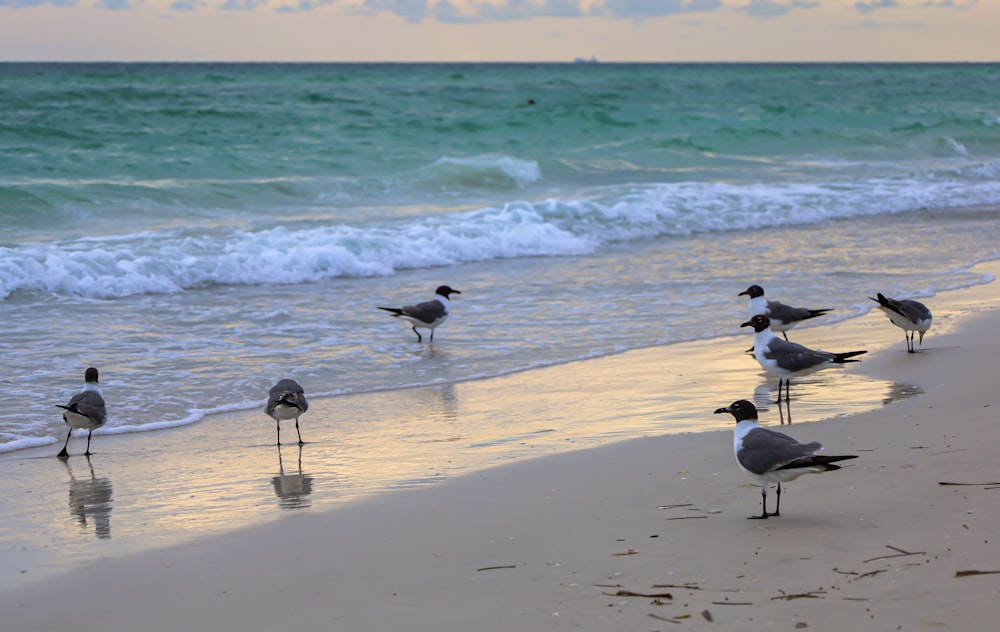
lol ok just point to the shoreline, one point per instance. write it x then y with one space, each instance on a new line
565 523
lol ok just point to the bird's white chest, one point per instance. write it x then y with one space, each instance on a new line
761 340
284 411
742 429
758 305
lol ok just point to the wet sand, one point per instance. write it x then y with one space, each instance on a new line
207 526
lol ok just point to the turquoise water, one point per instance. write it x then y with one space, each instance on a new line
199 230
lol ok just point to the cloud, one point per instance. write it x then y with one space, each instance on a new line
773 8
187 5
303 6
869 7
511 10
412 10
474 11
27 4
641 9
241 5
877 5
118 5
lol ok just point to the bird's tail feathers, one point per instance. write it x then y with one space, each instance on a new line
395 311
841 358
818 312
826 463
885 303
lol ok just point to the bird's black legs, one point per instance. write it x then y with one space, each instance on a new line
788 389
763 505
89 434
909 341
419 337
279 433
785 335
297 431
432 335
787 398
64 454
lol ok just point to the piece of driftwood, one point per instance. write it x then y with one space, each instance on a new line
493 568
859 575
632 593
628 552
899 553
974 572
812 594
659 618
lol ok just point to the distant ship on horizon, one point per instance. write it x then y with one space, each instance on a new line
584 60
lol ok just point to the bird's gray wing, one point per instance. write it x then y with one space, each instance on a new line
913 310
795 357
286 392
786 313
765 450
427 312
89 404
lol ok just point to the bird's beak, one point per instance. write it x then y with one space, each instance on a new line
743 293
721 410
747 324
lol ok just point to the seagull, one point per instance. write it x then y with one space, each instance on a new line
783 317
789 359
768 457
84 410
426 315
909 315
286 400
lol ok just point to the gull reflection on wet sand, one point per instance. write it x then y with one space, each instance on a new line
293 490
90 499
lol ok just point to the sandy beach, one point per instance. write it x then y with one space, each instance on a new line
641 534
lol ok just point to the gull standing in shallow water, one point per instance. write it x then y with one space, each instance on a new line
783 317
286 400
789 359
84 410
909 315
426 315
769 457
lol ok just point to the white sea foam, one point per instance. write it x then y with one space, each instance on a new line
172 261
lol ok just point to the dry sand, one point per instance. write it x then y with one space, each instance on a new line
646 534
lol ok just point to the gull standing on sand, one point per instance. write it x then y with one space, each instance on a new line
286 400
427 315
783 317
789 359
909 315
768 457
84 410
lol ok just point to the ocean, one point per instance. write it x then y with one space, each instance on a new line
198 231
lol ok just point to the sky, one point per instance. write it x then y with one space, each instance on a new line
499 30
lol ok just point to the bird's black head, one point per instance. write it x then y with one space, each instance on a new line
90 375
740 409
759 322
753 291
445 291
